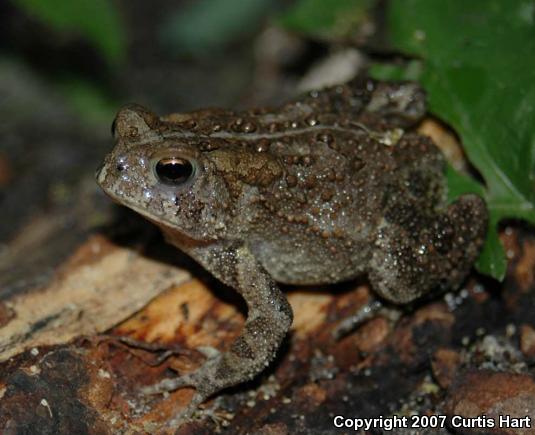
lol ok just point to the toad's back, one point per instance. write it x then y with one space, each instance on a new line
320 222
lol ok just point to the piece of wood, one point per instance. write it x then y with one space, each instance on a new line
100 286
92 384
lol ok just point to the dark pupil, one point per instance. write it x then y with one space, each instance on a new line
173 170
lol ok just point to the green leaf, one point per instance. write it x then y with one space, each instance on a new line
97 21
327 18
459 184
492 260
207 25
479 70
387 71
89 100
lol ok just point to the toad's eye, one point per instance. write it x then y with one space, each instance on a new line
173 170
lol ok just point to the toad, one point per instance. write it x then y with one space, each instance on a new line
320 190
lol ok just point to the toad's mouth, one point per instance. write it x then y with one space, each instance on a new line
170 230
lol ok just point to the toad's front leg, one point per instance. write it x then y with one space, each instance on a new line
268 319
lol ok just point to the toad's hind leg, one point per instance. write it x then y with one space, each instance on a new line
416 254
268 319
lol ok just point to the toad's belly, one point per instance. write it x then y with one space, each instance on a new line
306 265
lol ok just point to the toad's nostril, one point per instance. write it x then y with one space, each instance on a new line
121 167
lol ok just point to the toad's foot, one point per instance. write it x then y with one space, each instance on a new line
188 380
364 313
204 380
269 318
371 309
